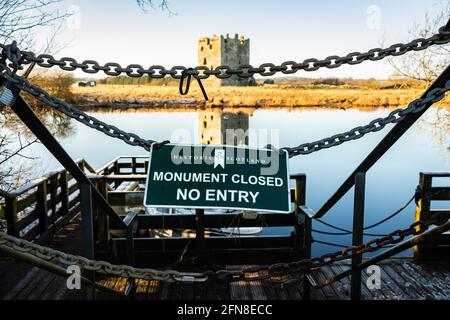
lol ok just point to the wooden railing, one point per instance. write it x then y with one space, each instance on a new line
439 247
39 209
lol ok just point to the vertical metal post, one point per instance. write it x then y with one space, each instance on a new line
87 233
302 228
131 260
358 232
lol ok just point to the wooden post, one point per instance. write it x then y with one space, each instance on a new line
133 165
200 232
53 196
358 232
131 260
64 194
41 206
102 219
11 215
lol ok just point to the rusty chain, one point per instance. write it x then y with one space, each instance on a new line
272 271
286 268
224 71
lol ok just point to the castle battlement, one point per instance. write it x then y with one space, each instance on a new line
225 50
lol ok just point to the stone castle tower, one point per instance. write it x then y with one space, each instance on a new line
213 125
220 50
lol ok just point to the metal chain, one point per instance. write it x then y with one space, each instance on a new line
72 112
103 267
275 270
395 116
305 148
225 71
283 269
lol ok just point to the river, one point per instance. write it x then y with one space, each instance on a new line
390 183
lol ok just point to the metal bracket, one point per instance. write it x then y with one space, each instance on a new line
6 96
249 215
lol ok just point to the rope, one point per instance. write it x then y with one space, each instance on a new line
188 77
347 232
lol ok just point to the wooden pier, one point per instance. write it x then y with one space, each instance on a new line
401 279
48 212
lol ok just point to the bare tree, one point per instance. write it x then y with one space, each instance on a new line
21 19
427 64
161 4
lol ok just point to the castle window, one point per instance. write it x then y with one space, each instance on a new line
204 124
210 46
201 48
204 61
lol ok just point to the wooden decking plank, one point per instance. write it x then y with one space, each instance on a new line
376 294
328 292
201 290
165 290
239 290
293 290
43 286
23 283
33 285
437 278
187 291
153 289
341 287
141 289
366 294
256 289
409 288
281 291
422 288
13 273
54 286
271 293
394 291
427 280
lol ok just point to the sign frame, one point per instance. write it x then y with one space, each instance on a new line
288 190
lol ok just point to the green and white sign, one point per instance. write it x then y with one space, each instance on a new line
227 177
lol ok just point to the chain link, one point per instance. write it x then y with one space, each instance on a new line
375 125
72 112
306 148
224 71
18 58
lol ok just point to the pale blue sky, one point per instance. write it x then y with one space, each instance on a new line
113 30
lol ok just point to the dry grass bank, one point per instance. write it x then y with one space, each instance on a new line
260 96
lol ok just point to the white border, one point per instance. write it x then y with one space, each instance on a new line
228 208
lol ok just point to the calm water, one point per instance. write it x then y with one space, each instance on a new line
390 183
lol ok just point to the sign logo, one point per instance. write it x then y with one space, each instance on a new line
219 158
225 177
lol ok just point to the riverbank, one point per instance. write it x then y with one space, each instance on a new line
258 96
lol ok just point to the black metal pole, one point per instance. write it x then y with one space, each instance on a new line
358 233
29 118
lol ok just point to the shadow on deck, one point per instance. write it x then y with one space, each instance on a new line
400 279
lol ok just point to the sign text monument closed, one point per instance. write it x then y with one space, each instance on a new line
195 176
